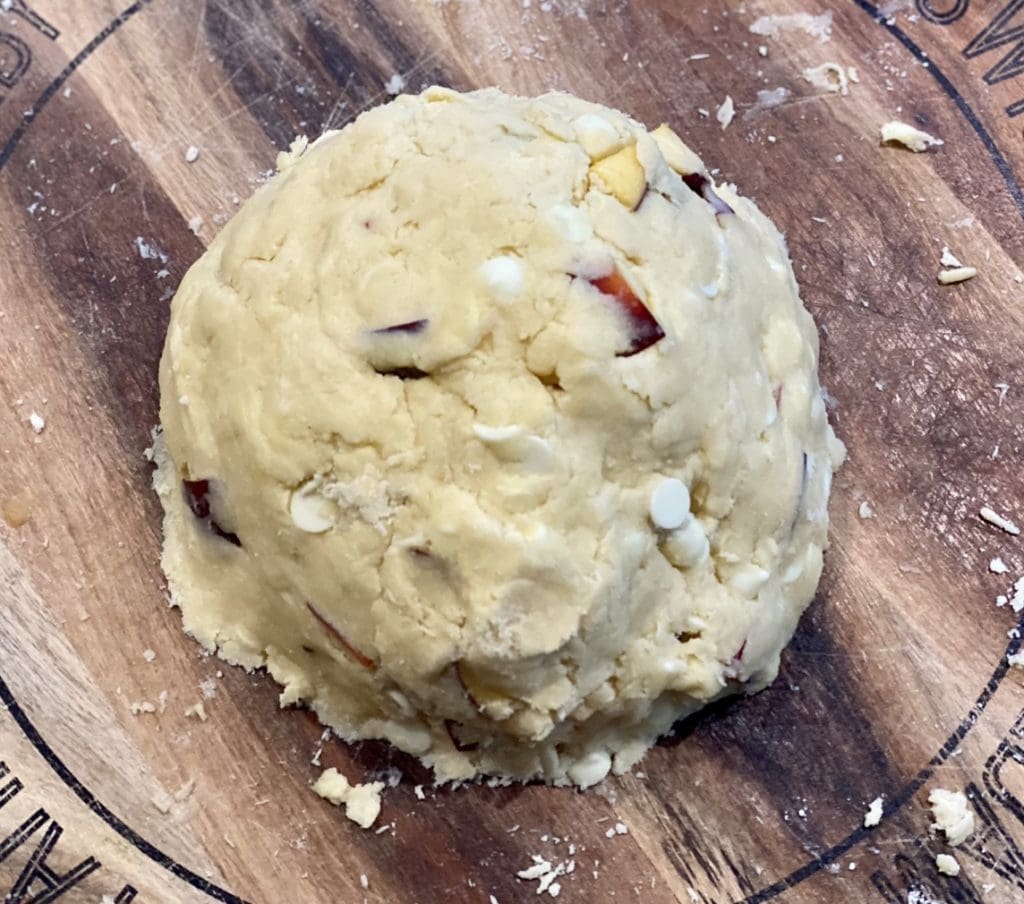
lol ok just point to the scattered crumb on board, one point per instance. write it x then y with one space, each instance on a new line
196 711
896 132
819 27
957 275
829 77
362 802
874 814
996 520
726 112
951 815
16 511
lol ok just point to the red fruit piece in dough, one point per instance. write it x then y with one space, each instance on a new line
701 185
645 330
197 496
738 655
411 327
449 726
342 642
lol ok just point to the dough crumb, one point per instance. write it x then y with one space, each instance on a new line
362 802
997 520
148 655
142 706
819 27
865 510
998 566
726 112
191 154
896 132
1016 661
874 814
949 259
37 422
185 791
951 815
395 85
17 511
544 874
947 865
196 711
957 275
195 224
829 77
162 801
1016 598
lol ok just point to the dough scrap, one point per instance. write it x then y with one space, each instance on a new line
435 370
951 815
896 132
362 802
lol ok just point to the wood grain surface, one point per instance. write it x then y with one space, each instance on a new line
897 681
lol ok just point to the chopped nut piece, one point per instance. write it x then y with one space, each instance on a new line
622 176
677 155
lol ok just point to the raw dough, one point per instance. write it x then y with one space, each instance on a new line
424 389
951 815
362 802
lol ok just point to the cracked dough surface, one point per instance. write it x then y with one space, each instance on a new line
495 446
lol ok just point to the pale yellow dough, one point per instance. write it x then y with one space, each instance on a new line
470 563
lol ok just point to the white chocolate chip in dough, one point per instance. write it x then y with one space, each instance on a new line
590 769
596 135
309 510
495 435
687 547
748 580
503 275
572 223
670 504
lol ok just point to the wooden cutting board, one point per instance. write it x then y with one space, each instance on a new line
897 681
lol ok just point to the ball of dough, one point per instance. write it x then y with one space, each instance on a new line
492 427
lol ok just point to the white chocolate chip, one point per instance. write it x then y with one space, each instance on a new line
497 434
688 546
747 581
513 444
310 511
596 135
503 275
670 504
590 769
571 222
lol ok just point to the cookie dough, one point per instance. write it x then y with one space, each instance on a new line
492 427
